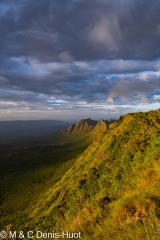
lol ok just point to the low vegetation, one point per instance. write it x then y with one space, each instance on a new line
28 167
111 190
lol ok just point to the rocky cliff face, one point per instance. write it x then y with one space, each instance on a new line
87 125
83 126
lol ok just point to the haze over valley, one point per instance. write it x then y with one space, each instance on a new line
18 129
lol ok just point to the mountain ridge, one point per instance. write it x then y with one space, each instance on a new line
112 189
83 126
106 181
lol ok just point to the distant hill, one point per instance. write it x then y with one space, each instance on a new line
82 126
85 126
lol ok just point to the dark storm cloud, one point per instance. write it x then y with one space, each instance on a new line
81 53
85 30
79 80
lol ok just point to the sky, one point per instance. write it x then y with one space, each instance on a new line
78 58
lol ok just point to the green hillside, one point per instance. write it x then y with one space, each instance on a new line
111 190
28 167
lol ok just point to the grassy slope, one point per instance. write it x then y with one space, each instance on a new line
29 167
113 189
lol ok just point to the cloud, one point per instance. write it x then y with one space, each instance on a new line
146 100
144 77
121 89
110 100
79 51
105 32
77 81
128 89
45 29
66 57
